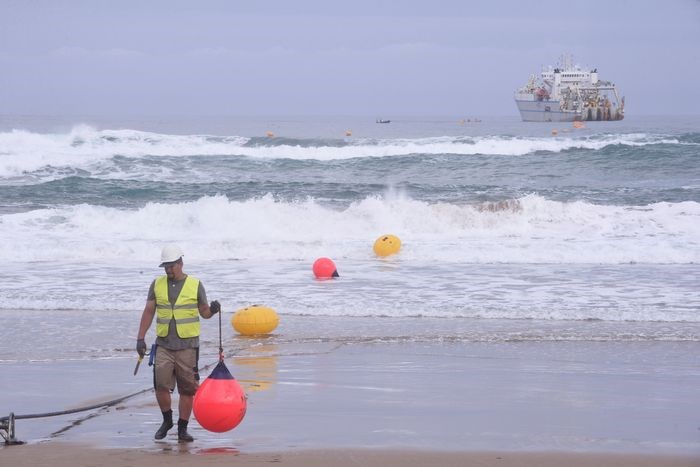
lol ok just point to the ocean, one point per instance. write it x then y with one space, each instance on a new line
509 231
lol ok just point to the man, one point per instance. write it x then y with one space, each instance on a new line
178 300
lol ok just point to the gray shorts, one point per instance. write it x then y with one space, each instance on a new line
177 366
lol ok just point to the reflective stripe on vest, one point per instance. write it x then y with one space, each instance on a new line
185 310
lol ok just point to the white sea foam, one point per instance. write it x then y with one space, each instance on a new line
531 229
84 147
534 257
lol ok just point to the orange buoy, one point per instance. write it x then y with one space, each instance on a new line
348 132
270 134
219 404
324 268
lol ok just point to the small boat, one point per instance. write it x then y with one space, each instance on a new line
379 120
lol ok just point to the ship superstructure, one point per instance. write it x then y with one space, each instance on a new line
567 93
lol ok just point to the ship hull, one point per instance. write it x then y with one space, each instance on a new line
544 111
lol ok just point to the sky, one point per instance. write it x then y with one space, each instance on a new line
327 57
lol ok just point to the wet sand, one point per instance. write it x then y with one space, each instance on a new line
383 402
66 455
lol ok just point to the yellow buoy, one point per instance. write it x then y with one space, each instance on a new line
348 132
387 245
255 319
270 134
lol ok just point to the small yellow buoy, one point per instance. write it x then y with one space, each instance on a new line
270 134
348 132
554 132
255 319
387 245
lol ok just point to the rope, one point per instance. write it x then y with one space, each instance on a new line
79 409
221 345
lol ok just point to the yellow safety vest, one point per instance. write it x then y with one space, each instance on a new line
185 310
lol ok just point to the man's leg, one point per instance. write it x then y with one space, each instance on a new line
163 381
187 373
164 399
185 408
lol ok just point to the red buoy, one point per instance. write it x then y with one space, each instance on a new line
219 403
324 268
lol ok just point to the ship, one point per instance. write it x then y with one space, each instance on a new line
569 93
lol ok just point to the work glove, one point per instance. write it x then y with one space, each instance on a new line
214 307
141 347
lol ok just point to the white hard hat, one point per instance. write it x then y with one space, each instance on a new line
170 254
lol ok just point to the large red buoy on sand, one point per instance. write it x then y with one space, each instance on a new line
220 402
324 268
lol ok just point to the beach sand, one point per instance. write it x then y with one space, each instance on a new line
393 401
63 455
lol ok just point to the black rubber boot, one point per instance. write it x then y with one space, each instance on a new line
182 435
166 425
